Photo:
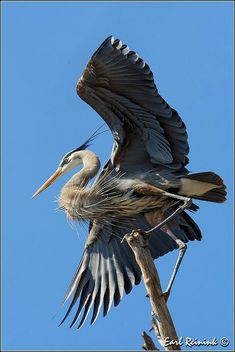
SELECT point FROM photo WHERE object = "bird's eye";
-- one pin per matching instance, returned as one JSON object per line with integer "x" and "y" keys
{"x": 64, "y": 162}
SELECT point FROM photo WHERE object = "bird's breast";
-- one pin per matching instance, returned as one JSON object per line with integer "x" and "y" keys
{"x": 82, "y": 205}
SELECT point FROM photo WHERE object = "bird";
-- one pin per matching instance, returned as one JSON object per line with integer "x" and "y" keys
{"x": 144, "y": 185}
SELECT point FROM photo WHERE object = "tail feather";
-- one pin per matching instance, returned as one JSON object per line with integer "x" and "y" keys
{"x": 209, "y": 177}
{"x": 215, "y": 195}
{"x": 206, "y": 186}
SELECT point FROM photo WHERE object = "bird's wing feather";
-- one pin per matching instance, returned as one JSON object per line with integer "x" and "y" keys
{"x": 108, "y": 267}
{"x": 119, "y": 85}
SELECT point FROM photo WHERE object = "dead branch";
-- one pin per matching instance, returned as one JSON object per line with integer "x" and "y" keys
{"x": 167, "y": 335}
{"x": 148, "y": 343}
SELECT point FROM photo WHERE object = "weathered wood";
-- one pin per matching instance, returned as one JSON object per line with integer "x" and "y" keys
{"x": 148, "y": 343}
{"x": 138, "y": 241}
{"x": 156, "y": 330}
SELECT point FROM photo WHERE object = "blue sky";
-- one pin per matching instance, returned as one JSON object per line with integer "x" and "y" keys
{"x": 45, "y": 49}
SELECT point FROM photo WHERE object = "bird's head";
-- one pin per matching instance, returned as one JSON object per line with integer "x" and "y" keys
{"x": 70, "y": 161}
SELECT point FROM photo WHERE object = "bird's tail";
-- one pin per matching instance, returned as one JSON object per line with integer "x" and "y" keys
{"x": 204, "y": 186}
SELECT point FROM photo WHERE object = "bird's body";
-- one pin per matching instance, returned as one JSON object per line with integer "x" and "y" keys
{"x": 112, "y": 196}
{"x": 143, "y": 184}
{"x": 108, "y": 201}
{"x": 116, "y": 194}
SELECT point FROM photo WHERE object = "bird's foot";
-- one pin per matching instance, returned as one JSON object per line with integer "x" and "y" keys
{"x": 134, "y": 234}
{"x": 166, "y": 295}
{"x": 144, "y": 234}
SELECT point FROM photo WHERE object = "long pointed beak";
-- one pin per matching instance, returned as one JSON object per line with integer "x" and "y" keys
{"x": 49, "y": 181}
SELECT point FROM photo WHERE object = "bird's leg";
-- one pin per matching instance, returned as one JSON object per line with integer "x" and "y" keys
{"x": 187, "y": 202}
{"x": 154, "y": 191}
{"x": 182, "y": 246}
{"x": 182, "y": 250}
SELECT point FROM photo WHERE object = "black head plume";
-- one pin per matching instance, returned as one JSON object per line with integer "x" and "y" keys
{"x": 88, "y": 142}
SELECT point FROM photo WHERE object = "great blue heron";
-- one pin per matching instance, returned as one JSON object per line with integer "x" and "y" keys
{"x": 145, "y": 184}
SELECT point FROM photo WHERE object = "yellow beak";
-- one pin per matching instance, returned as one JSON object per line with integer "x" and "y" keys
{"x": 49, "y": 181}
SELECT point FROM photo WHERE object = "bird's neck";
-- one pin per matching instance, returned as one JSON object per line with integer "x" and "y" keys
{"x": 73, "y": 188}
{"x": 91, "y": 165}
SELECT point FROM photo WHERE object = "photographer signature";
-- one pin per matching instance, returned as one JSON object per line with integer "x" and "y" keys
{"x": 190, "y": 342}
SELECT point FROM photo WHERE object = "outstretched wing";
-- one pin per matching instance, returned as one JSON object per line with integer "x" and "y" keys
{"x": 119, "y": 85}
{"x": 108, "y": 267}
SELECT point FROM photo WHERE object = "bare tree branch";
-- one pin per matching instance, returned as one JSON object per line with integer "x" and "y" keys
{"x": 137, "y": 240}
{"x": 148, "y": 343}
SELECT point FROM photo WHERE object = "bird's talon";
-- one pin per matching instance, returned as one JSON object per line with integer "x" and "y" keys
{"x": 144, "y": 234}
{"x": 134, "y": 231}
{"x": 166, "y": 295}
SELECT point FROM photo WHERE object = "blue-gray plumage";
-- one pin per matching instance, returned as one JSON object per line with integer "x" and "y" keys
{"x": 145, "y": 183}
